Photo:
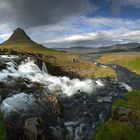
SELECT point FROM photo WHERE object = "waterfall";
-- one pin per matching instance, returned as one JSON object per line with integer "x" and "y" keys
{"x": 44, "y": 68}
{"x": 85, "y": 102}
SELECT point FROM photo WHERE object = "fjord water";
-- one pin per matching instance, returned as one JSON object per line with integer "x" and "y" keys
{"x": 86, "y": 103}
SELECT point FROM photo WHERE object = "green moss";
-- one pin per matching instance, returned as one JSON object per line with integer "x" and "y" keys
{"x": 2, "y": 128}
{"x": 117, "y": 104}
{"x": 114, "y": 129}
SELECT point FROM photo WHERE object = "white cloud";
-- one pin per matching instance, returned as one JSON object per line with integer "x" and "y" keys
{"x": 5, "y": 30}
{"x": 110, "y": 22}
{"x": 98, "y": 39}
{"x": 108, "y": 31}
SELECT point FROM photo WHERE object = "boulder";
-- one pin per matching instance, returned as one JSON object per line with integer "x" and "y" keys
{"x": 122, "y": 113}
{"x": 34, "y": 129}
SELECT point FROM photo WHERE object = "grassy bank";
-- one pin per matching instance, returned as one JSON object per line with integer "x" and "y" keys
{"x": 127, "y": 128}
{"x": 130, "y": 61}
{"x": 69, "y": 63}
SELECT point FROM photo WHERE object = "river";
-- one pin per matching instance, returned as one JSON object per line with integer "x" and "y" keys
{"x": 39, "y": 106}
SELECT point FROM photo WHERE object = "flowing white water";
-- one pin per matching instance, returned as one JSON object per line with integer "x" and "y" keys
{"x": 28, "y": 69}
{"x": 23, "y": 104}
{"x": 9, "y": 56}
{"x": 44, "y": 68}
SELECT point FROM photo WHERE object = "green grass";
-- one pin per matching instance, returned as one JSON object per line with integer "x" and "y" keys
{"x": 2, "y": 128}
{"x": 104, "y": 72}
{"x": 133, "y": 65}
{"x": 130, "y": 61}
{"x": 80, "y": 67}
{"x": 115, "y": 129}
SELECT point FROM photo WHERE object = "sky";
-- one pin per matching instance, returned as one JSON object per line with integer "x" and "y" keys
{"x": 70, "y": 23}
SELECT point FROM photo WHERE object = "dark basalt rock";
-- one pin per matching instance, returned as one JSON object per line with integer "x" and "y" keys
{"x": 38, "y": 125}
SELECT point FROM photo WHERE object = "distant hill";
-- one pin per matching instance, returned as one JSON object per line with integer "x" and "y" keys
{"x": 121, "y": 47}
{"x": 128, "y": 47}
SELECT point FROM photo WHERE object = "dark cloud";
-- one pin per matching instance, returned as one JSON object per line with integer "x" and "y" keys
{"x": 31, "y": 13}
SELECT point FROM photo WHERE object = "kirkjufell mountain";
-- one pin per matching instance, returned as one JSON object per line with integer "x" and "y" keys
{"x": 19, "y": 35}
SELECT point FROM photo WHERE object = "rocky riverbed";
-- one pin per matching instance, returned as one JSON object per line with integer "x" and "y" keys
{"x": 39, "y": 106}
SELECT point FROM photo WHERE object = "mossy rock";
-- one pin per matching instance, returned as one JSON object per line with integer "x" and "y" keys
{"x": 123, "y": 129}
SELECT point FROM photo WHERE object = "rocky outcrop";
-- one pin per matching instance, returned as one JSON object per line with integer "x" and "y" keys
{"x": 45, "y": 124}
{"x": 122, "y": 113}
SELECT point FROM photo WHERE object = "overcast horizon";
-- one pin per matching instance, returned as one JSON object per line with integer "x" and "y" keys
{"x": 70, "y": 23}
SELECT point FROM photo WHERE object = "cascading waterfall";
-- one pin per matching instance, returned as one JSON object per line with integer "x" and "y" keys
{"x": 85, "y": 101}
{"x": 44, "y": 68}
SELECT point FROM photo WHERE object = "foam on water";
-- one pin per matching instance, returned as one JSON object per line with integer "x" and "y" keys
{"x": 28, "y": 69}
{"x": 9, "y": 56}
{"x": 127, "y": 87}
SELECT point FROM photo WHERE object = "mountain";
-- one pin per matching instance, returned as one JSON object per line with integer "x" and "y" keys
{"x": 128, "y": 47}
{"x": 18, "y": 35}
{"x": 19, "y": 41}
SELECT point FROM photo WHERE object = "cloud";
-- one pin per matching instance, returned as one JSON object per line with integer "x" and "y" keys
{"x": 65, "y": 22}
{"x": 116, "y": 5}
{"x": 31, "y": 13}
{"x": 102, "y": 22}
{"x": 98, "y": 39}
{"x": 106, "y": 31}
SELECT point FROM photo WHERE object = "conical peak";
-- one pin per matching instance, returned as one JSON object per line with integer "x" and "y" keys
{"x": 19, "y": 30}
{"x": 19, "y": 35}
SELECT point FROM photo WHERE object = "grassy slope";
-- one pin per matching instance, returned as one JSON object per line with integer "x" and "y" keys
{"x": 60, "y": 59}
{"x": 2, "y": 129}
{"x": 122, "y": 130}
{"x": 130, "y": 61}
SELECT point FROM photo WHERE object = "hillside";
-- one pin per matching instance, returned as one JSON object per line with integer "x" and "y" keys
{"x": 128, "y": 47}
{"x": 130, "y": 61}
{"x": 58, "y": 62}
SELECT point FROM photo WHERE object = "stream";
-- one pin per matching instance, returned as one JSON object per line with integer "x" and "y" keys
{"x": 39, "y": 106}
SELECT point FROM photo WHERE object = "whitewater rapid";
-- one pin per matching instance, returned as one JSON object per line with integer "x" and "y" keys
{"x": 64, "y": 85}
{"x": 87, "y": 103}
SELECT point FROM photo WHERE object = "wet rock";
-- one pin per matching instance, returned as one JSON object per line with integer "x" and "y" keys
{"x": 2, "y": 65}
{"x": 53, "y": 104}
{"x": 34, "y": 129}
{"x": 55, "y": 89}
{"x": 122, "y": 113}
